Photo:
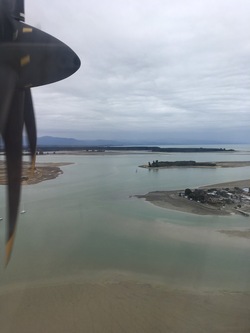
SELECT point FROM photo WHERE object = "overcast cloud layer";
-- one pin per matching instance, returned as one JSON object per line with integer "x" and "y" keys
{"x": 159, "y": 69}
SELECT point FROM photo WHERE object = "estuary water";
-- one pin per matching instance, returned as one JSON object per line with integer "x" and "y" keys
{"x": 86, "y": 221}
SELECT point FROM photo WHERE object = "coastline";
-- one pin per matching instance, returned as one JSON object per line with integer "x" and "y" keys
{"x": 172, "y": 200}
{"x": 42, "y": 172}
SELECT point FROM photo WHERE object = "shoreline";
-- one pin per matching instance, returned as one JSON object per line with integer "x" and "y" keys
{"x": 172, "y": 200}
{"x": 42, "y": 172}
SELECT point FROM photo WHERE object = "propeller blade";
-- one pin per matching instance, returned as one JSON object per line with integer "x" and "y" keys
{"x": 30, "y": 124}
{"x": 17, "y": 9}
{"x": 28, "y": 57}
{"x": 7, "y": 24}
{"x": 8, "y": 81}
{"x": 13, "y": 146}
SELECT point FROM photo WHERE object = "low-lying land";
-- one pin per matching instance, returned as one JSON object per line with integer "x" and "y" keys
{"x": 104, "y": 148}
{"x": 42, "y": 172}
{"x": 193, "y": 164}
{"x": 219, "y": 199}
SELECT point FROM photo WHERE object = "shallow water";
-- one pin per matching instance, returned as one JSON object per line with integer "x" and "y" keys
{"x": 85, "y": 220}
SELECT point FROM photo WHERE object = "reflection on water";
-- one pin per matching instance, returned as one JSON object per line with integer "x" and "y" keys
{"x": 85, "y": 220}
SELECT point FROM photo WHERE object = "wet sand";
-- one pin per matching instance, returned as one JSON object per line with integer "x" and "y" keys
{"x": 121, "y": 306}
{"x": 42, "y": 172}
{"x": 172, "y": 200}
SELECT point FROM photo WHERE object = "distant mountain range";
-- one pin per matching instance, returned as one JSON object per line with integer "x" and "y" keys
{"x": 51, "y": 141}
{"x": 71, "y": 142}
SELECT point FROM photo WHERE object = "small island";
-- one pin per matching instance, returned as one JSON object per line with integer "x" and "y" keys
{"x": 168, "y": 164}
{"x": 193, "y": 164}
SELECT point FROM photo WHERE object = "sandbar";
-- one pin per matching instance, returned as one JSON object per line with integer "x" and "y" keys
{"x": 121, "y": 306}
{"x": 42, "y": 172}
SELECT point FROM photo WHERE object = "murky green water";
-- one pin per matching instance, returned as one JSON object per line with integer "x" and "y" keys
{"x": 85, "y": 220}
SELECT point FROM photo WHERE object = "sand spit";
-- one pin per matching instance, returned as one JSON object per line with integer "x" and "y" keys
{"x": 236, "y": 183}
{"x": 124, "y": 306}
{"x": 43, "y": 171}
{"x": 171, "y": 200}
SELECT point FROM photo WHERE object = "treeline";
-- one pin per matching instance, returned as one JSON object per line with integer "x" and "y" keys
{"x": 132, "y": 148}
{"x": 159, "y": 164}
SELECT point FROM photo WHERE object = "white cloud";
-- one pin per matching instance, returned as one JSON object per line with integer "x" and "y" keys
{"x": 159, "y": 67}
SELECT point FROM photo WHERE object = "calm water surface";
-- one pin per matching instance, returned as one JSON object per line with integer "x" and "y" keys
{"x": 86, "y": 220}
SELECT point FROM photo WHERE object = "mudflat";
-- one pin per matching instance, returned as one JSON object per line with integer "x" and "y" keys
{"x": 122, "y": 306}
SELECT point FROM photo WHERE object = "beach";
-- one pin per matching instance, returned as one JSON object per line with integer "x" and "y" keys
{"x": 121, "y": 306}
{"x": 42, "y": 172}
{"x": 172, "y": 200}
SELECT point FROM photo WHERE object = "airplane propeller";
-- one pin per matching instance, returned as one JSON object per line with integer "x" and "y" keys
{"x": 29, "y": 57}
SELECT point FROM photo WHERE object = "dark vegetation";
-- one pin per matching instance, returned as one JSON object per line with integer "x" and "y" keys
{"x": 218, "y": 197}
{"x": 129, "y": 148}
{"x": 159, "y": 164}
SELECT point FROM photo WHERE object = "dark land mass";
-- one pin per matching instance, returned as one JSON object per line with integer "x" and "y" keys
{"x": 169, "y": 164}
{"x": 160, "y": 164}
{"x": 102, "y": 148}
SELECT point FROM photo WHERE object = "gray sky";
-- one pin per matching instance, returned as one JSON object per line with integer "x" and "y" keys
{"x": 151, "y": 69}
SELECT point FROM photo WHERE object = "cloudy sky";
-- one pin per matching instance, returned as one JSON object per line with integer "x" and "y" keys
{"x": 165, "y": 70}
